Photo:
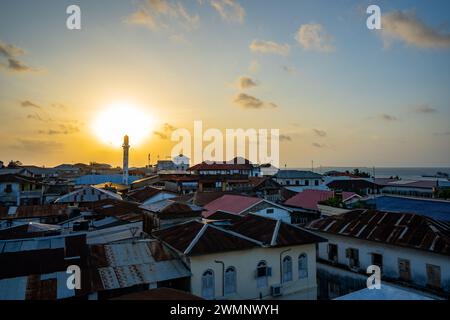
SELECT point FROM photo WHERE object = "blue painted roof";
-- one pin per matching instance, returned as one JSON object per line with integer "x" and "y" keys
{"x": 439, "y": 210}
{"x": 92, "y": 179}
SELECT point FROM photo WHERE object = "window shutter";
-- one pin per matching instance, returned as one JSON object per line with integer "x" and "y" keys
{"x": 269, "y": 271}
{"x": 348, "y": 253}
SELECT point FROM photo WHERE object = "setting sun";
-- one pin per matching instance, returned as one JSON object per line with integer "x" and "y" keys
{"x": 119, "y": 119}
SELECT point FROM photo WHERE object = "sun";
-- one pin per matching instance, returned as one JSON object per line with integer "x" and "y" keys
{"x": 120, "y": 119}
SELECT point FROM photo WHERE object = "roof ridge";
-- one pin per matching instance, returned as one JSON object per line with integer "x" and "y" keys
{"x": 196, "y": 238}
{"x": 273, "y": 242}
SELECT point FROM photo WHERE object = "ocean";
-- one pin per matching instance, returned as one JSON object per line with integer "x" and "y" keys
{"x": 386, "y": 172}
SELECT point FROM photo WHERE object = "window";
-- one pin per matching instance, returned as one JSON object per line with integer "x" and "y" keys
{"x": 208, "y": 284}
{"x": 333, "y": 290}
{"x": 262, "y": 272}
{"x": 404, "y": 269}
{"x": 297, "y": 182}
{"x": 333, "y": 252}
{"x": 287, "y": 269}
{"x": 270, "y": 211}
{"x": 316, "y": 182}
{"x": 433, "y": 276}
{"x": 230, "y": 280}
{"x": 377, "y": 260}
{"x": 353, "y": 257}
{"x": 8, "y": 188}
{"x": 306, "y": 182}
{"x": 303, "y": 266}
{"x": 288, "y": 182}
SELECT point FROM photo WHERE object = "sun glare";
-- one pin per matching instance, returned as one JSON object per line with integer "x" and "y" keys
{"x": 119, "y": 119}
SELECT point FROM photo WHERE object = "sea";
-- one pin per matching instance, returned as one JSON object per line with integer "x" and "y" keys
{"x": 406, "y": 173}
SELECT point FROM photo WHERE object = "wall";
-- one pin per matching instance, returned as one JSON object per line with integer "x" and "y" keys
{"x": 418, "y": 258}
{"x": 246, "y": 261}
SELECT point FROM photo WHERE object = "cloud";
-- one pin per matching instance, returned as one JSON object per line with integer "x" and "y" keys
{"x": 406, "y": 27}
{"x": 11, "y": 53}
{"x": 269, "y": 47}
{"x": 167, "y": 129}
{"x": 249, "y": 102}
{"x": 320, "y": 133}
{"x": 285, "y": 138}
{"x": 288, "y": 69}
{"x": 16, "y": 65}
{"x": 246, "y": 83}
{"x": 229, "y": 10}
{"x": 59, "y": 106}
{"x": 314, "y": 37}
{"x": 254, "y": 66}
{"x": 63, "y": 129}
{"x": 29, "y": 104}
{"x": 425, "y": 109}
{"x": 163, "y": 14}
{"x": 445, "y": 133}
{"x": 388, "y": 117}
{"x": 317, "y": 145}
{"x": 37, "y": 146}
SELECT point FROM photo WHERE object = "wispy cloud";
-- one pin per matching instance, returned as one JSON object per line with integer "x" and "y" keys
{"x": 314, "y": 37}
{"x": 318, "y": 145}
{"x": 444, "y": 133}
{"x": 387, "y": 117}
{"x": 163, "y": 15}
{"x": 62, "y": 129}
{"x": 249, "y": 102}
{"x": 269, "y": 47}
{"x": 245, "y": 82}
{"x": 37, "y": 146}
{"x": 229, "y": 10}
{"x": 288, "y": 69}
{"x": 254, "y": 66}
{"x": 285, "y": 138}
{"x": 320, "y": 133}
{"x": 406, "y": 27}
{"x": 12, "y": 63}
{"x": 425, "y": 109}
{"x": 29, "y": 104}
{"x": 165, "y": 131}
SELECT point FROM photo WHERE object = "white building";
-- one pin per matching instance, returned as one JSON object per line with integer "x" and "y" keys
{"x": 252, "y": 259}
{"x": 243, "y": 205}
{"x": 87, "y": 194}
{"x": 300, "y": 179}
{"x": 410, "y": 250}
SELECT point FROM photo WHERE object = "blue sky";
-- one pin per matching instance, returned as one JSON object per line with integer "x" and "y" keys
{"x": 352, "y": 97}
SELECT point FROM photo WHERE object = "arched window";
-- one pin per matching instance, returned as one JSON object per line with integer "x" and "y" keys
{"x": 230, "y": 280}
{"x": 287, "y": 269}
{"x": 262, "y": 272}
{"x": 303, "y": 266}
{"x": 208, "y": 284}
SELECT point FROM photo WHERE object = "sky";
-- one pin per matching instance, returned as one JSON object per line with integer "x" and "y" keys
{"x": 341, "y": 94}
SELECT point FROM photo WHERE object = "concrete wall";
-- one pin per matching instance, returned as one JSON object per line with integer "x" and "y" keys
{"x": 418, "y": 258}
{"x": 245, "y": 263}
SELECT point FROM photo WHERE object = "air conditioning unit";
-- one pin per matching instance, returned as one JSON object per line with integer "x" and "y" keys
{"x": 276, "y": 290}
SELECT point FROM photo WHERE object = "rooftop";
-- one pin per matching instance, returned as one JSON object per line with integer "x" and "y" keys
{"x": 230, "y": 203}
{"x": 297, "y": 174}
{"x": 309, "y": 199}
{"x": 398, "y": 229}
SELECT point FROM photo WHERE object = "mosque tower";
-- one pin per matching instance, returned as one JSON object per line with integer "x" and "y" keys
{"x": 126, "y": 148}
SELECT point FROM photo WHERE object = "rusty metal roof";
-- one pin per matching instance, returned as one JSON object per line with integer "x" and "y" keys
{"x": 399, "y": 229}
{"x": 37, "y": 211}
{"x": 196, "y": 238}
{"x": 123, "y": 265}
{"x": 273, "y": 232}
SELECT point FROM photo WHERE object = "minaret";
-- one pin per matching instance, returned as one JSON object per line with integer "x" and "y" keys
{"x": 126, "y": 148}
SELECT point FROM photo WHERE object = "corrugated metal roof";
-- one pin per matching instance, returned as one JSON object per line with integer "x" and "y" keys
{"x": 133, "y": 263}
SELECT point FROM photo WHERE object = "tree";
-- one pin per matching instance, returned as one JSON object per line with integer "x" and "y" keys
{"x": 14, "y": 164}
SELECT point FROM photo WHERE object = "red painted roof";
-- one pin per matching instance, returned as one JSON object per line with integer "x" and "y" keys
{"x": 347, "y": 195}
{"x": 309, "y": 199}
{"x": 230, "y": 203}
